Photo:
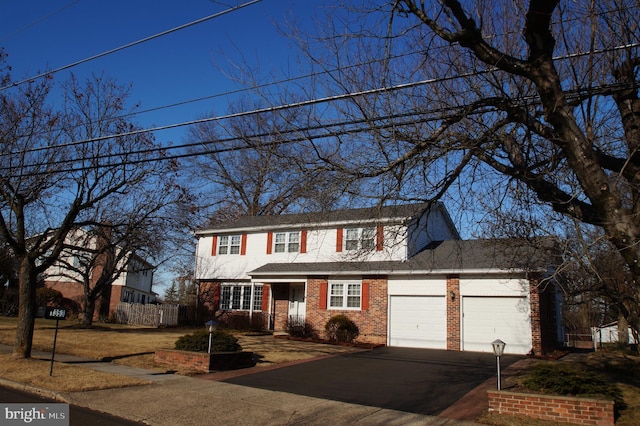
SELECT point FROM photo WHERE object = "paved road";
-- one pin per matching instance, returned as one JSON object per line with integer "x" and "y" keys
{"x": 418, "y": 381}
{"x": 78, "y": 416}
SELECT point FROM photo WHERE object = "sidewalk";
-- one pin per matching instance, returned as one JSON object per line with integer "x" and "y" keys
{"x": 173, "y": 400}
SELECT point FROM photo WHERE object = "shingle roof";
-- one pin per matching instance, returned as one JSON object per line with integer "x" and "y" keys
{"x": 445, "y": 256}
{"x": 372, "y": 214}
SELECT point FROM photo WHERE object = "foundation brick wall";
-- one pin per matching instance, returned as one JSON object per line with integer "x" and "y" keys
{"x": 453, "y": 313}
{"x": 581, "y": 411}
{"x": 371, "y": 322}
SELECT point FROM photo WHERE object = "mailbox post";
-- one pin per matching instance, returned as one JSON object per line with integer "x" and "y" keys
{"x": 56, "y": 314}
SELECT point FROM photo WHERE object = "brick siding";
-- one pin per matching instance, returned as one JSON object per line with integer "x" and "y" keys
{"x": 453, "y": 313}
{"x": 371, "y": 323}
{"x": 581, "y": 411}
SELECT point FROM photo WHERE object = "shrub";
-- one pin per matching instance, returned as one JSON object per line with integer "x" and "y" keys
{"x": 304, "y": 331}
{"x": 48, "y": 296}
{"x": 221, "y": 341}
{"x": 564, "y": 379}
{"x": 341, "y": 329}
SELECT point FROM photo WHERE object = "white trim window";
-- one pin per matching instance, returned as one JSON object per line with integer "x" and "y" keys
{"x": 286, "y": 242}
{"x": 229, "y": 244}
{"x": 345, "y": 295}
{"x": 238, "y": 297}
{"x": 360, "y": 239}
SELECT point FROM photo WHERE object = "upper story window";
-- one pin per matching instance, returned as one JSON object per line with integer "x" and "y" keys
{"x": 229, "y": 244}
{"x": 286, "y": 242}
{"x": 360, "y": 239}
{"x": 345, "y": 295}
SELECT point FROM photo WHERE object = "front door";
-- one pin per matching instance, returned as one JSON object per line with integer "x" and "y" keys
{"x": 297, "y": 306}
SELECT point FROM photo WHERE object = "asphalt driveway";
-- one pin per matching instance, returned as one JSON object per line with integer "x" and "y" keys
{"x": 422, "y": 381}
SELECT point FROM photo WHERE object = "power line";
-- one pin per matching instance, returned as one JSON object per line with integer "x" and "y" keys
{"x": 126, "y": 46}
{"x": 227, "y": 93}
{"x": 306, "y": 103}
{"x": 37, "y": 21}
{"x": 307, "y": 132}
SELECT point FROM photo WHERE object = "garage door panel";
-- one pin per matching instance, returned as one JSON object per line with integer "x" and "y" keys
{"x": 488, "y": 318}
{"x": 417, "y": 321}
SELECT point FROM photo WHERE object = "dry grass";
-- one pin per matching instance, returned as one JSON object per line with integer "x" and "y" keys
{"x": 65, "y": 378}
{"x": 126, "y": 345}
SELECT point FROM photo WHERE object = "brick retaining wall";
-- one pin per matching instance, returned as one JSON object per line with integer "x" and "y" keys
{"x": 581, "y": 411}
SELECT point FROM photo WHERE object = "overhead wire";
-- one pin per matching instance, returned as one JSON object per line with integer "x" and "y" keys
{"x": 291, "y": 105}
{"x": 37, "y": 21}
{"x": 245, "y": 113}
{"x": 421, "y": 117}
{"x": 136, "y": 113}
{"x": 128, "y": 45}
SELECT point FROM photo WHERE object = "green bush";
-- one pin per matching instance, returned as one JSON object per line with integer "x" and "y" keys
{"x": 341, "y": 329}
{"x": 221, "y": 341}
{"x": 564, "y": 379}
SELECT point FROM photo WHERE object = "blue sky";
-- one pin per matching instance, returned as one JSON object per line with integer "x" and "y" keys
{"x": 41, "y": 35}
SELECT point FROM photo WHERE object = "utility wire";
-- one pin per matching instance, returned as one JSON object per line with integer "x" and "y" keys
{"x": 126, "y": 46}
{"x": 275, "y": 83}
{"x": 306, "y": 133}
{"x": 37, "y": 21}
{"x": 310, "y": 102}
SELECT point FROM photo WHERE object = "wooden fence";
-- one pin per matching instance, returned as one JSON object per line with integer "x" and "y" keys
{"x": 147, "y": 315}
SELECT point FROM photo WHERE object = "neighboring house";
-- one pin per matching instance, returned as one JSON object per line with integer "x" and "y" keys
{"x": 608, "y": 333}
{"x": 401, "y": 273}
{"x": 133, "y": 285}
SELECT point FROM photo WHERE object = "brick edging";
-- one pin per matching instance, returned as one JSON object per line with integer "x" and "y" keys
{"x": 576, "y": 410}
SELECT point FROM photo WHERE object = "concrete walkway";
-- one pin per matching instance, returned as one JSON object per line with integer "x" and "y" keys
{"x": 173, "y": 400}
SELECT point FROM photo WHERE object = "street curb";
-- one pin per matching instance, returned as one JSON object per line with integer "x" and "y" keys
{"x": 45, "y": 393}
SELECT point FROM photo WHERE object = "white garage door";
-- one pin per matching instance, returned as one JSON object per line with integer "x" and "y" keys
{"x": 418, "y": 322}
{"x": 486, "y": 319}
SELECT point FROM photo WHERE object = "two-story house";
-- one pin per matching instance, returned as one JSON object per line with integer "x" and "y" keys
{"x": 133, "y": 284}
{"x": 401, "y": 273}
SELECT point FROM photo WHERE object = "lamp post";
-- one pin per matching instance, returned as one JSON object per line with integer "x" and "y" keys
{"x": 498, "y": 350}
{"x": 212, "y": 326}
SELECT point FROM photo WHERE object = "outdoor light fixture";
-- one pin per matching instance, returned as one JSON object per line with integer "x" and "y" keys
{"x": 212, "y": 327}
{"x": 498, "y": 350}
{"x": 452, "y": 294}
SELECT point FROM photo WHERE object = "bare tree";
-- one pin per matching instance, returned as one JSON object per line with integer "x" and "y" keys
{"x": 48, "y": 185}
{"x": 502, "y": 100}
{"x": 243, "y": 167}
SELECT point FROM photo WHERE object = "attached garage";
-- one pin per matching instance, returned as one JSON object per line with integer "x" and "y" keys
{"x": 485, "y": 319}
{"x": 418, "y": 321}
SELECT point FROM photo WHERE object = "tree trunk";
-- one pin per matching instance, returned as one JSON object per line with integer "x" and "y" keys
{"x": 88, "y": 307}
{"x": 26, "y": 309}
{"x": 623, "y": 330}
